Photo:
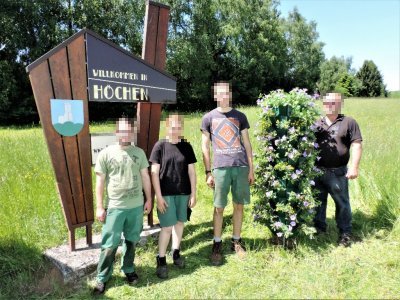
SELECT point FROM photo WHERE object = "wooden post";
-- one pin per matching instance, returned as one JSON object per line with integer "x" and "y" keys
{"x": 154, "y": 52}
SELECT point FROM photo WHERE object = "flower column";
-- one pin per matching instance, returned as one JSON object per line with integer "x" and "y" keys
{"x": 285, "y": 163}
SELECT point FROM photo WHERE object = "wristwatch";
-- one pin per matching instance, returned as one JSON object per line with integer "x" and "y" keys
{"x": 208, "y": 171}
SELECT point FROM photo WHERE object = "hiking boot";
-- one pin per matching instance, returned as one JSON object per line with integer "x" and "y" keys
{"x": 99, "y": 288}
{"x": 132, "y": 278}
{"x": 162, "y": 269}
{"x": 238, "y": 247}
{"x": 345, "y": 240}
{"x": 216, "y": 255}
{"x": 179, "y": 260}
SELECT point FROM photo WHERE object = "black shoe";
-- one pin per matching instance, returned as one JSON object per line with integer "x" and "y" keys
{"x": 345, "y": 240}
{"x": 179, "y": 260}
{"x": 99, "y": 288}
{"x": 216, "y": 254}
{"x": 162, "y": 269}
{"x": 132, "y": 278}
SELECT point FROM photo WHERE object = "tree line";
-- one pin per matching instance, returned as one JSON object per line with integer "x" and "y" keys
{"x": 247, "y": 42}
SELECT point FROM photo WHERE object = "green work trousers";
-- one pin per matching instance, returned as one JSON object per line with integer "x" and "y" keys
{"x": 118, "y": 221}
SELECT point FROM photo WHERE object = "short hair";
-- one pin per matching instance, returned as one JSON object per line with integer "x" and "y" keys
{"x": 221, "y": 83}
{"x": 171, "y": 115}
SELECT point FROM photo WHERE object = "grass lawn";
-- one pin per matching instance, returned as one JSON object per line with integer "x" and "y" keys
{"x": 32, "y": 220}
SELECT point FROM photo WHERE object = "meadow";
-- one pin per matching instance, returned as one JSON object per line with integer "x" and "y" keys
{"x": 31, "y": 220}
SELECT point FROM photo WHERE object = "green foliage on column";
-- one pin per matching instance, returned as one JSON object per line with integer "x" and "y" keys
{"x": 285, "y": 163}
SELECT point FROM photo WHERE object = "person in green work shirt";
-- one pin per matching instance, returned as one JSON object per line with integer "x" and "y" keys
{"x": 123, "y": 169}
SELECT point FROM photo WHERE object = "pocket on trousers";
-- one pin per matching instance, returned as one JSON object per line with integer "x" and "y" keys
{"x": 340, "y": 171}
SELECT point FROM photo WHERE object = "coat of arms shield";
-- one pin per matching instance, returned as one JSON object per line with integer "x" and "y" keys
{"x": 67, "y": 116}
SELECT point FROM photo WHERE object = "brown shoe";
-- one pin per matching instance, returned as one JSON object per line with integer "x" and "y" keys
{"x": 238, "y": 247}
{"x": 216, "y": 255}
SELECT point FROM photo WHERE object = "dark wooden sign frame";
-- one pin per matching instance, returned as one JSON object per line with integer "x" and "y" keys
{"x": 62, "y": 74}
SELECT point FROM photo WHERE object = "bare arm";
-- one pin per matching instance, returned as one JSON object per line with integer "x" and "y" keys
{"x": 356, "y": 152}
{"x": 249, "y": 153}
{"x": 100, "y": 211}
{"x": 155, "y": 177}
{"x": 144, "y": 173}
{"x": 205, "y": 148}
{"x": 192, "y": 177}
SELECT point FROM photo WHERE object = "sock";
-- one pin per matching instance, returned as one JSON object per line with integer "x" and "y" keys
{"x": 175, "y": 254}
{"x": 162, "y": 260}
{"x": 235, "y": 237}
{"x": 217, "y": 239}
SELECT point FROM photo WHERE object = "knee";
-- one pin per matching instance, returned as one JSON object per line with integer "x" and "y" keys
{"x": 238, "y": 207}
{"x": 218, "y": 211}
{"x": 167, "y": 230}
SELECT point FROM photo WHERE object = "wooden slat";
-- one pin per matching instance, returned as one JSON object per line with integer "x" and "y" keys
{"x": 161, "y": 47}
{"x": 143, "y": 113}
{"x": 43, "y": 92}
{"x": 62, "y": 90}
{"x": 77, "y": 65}
{"x": 150, "y": 34}
{"x": 154, "y": 126}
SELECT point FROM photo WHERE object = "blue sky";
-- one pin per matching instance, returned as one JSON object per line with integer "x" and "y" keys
{"x": 362, "y": 29}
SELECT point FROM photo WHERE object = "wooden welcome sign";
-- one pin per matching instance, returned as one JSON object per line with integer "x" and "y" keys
{"x": 87, "y": 67}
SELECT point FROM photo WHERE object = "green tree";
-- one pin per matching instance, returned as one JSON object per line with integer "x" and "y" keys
{"x": 348, "y": 85}
{"x": 331, "y": 71}
{"x": 371, "y": 80}
{"x": 305, "y": 54}
{"x": 29, "y": 29}
{"x": 255, "y": 58}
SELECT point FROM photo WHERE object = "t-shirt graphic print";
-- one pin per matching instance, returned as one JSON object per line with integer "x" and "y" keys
{"x": 225, "y": 133}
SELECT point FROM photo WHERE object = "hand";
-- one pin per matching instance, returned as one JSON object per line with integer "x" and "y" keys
{"x": 192, "y": 201}
{"x": 101, "y": 214}
{"x": 147, "y": 207}
{"x": 352, "y": 173}
{"x": 210, "y": 180}
{"x": 251, "y": 177}
{"x": 161, "y": 205}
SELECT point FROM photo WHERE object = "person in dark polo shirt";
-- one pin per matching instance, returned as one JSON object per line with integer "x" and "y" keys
{"x": 336, "y": 134}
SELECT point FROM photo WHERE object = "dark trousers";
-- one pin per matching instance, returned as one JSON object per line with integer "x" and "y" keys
{"x": 333, "y": 182}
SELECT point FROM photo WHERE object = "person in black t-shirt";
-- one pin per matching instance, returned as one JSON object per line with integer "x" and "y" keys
{"x": 336, "y": 134}
{"x": 174, "y": 180}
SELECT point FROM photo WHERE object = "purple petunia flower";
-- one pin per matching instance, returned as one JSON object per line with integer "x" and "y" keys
{"x": 298, "y": 172}
{"x": 293, "y": 217}
{"x": 270, "y": 158}
{"x": 312, "y": 104}
{"x": 316, "y": 169}
{"x": 265, "y": 109}
{"x": 294, "y": 176}
{"x": 291, "y": 155}
{"x": 306, "y": 204}
{"x": 279, "y": 234}
{"x": 293, "y": 223}
{"x": 304, "y": 139}
{"x": 318, "y": 157}
{"x": 305, "y": 154}
{"x": 316, "y": 146}
{"x": 278, "y": 224}
{"x": 270, "y": 148}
